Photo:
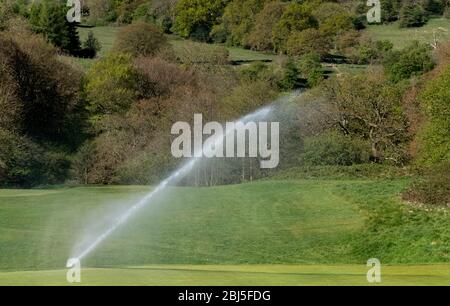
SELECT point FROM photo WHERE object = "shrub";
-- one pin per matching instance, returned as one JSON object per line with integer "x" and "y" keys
{"x": 197, "y": 17}
{"x": 254, "y": 71}
{"x": 140, "y": 39}
{"x": 434, "y": 189}
{"x": 291, "y": 77}
{"x": 413, "y": 15}
{"x": 334, "y": 149}
{"x": 371, "y": 52}
{"x": 194, "y": 53}
{"x": 144, "y": 12}
{"x": 48, "y": 17}
{"x": 311, "y": 68}
{"x": 447, "y": 12}
{"x": 434, "y": 140}
{"x": 25, "y": 163}
{"x": 296, "y": 18}
{"x": 238, "y": 20}
{"x": 412, "y": 61}
{"x": 42, "y": 89}
{"x": 111, "y": 85}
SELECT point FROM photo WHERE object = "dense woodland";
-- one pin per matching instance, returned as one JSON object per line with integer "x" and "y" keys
{"x": 111, "y": 123}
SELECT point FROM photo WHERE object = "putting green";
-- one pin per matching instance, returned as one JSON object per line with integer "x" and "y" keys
{"x": 228, "y": 275}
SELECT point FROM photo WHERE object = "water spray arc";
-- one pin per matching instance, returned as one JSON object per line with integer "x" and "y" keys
{"x": 178, "y": 174}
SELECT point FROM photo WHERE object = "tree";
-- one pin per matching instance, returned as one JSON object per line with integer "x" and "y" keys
{"x": 140, "y": 39}
{"x": 311, "y": 68}
{"x": 48, "y": 17}
{"x": 260, "y": 37}
{"x": 111, "y": 85}
{"x": 238, "y": 20}
{"x": 307, "y": 41}
{"x": 434, "y": 138}
{"x": 368, "y": 106}
{"x": 195, "y": 18}
{"x": 295, "y": 18}
{"x": 42, "y": 89}
{"x": 92, "y": 44}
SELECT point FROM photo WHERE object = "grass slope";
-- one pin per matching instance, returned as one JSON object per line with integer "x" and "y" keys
{"x": 277, "y": 226}
{"x": 401, "y": 37}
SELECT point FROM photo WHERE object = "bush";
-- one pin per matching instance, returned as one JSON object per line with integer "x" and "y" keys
{"x": 434, "y": 140}
{"x": 260, "y": 37}
{"x": 140, "y": 39}
{"x": 196, "y": 18}
{"x": 412, "y": 61}
{"x": 413, "y": 15}
{"x": 194, "y": 53}
{"x": 311, "y": 68}
{"x": 48, "y": 17}
{"x": 296, "y": 18}
{"x": 238, "y": 20}
{"x": 254, "y": 71}
{"x": 434, "y": 189}
{"x": 291, "y": 78}
{"x": 92, "y": 44}
{"x": 371, "y": 52}
{"x": 41, "y": 88}
{"x": 26, "y": 164}
{"x": 334, "y": 149}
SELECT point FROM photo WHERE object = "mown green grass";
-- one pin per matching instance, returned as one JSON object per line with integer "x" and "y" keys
{"x": 249, "y": 230}
{"x": 241, "y": 275}
{"x": 105, "y": 34}
{"x": 402, "y": 37}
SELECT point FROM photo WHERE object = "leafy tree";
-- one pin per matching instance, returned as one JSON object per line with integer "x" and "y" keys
{"x": 42, "y": 89}
{"x": 111, "y": 85}
{"x": 260, "y": 37}
{"x": 311, "y": 68}
{"x": 238, "y": 20}
{"x": 368, "y": 106}
{"x": 92, "y": 44}
{"x": 197, "y": 17}
{"x": 295, "y": 18}
{"x": 140, "y": 39}
{"x": 333, "y": 148}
